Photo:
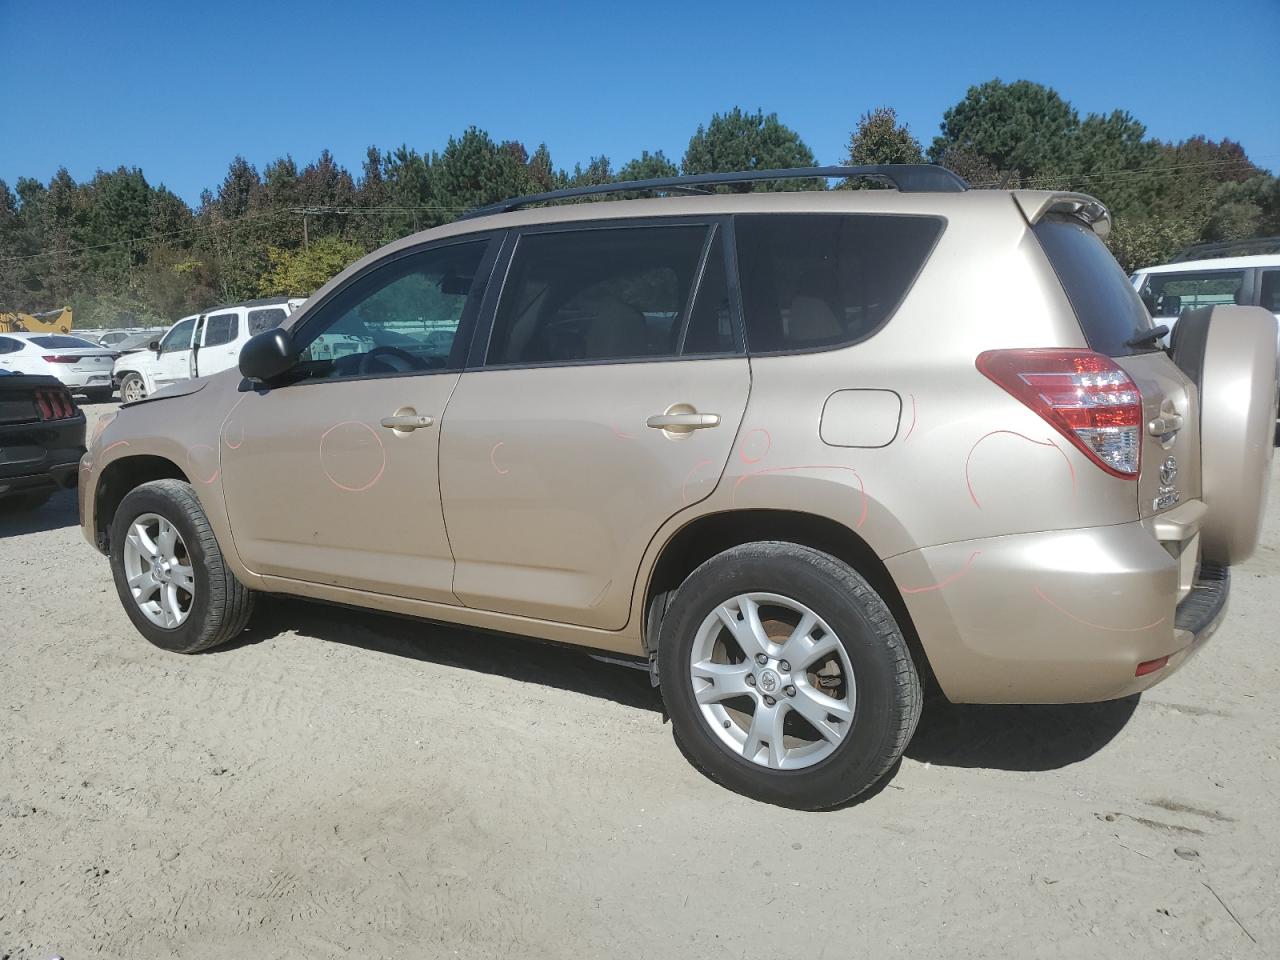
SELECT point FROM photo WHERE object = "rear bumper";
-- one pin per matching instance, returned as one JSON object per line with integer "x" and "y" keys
{"x": 40, "y": 456}
{"x": 1059, "y": 617}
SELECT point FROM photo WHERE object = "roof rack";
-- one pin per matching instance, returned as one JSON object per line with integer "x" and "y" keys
{"x": 1228, "y": 248}
{"x": 907, "y": 177}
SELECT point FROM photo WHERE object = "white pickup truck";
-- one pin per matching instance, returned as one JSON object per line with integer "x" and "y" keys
{"x": 199, "y": 345}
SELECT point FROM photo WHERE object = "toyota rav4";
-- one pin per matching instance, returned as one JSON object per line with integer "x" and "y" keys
{"x": 800, "y": 453}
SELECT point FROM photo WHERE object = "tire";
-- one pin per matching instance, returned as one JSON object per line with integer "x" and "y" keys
{"x": 217, "y": 605}
{"x": 20, "y": 502}
{"x": 132, "y": 388}
{"x": 885, "y": 688}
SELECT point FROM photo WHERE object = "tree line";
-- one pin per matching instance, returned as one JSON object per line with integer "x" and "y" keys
{"x": 123, "y": 252}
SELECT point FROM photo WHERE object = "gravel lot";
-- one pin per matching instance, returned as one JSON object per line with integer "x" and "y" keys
{"x": 349, "y": 784}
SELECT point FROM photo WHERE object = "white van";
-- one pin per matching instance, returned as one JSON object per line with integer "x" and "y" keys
{"x": 199, "y": 345}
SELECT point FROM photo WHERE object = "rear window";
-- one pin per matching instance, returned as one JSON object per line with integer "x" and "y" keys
{"x": 55, "y": 341}
{"x": 815, "y": 281}
{"x": 1109, "y": 310}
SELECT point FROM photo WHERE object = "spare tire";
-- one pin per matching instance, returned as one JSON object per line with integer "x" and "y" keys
{"x": 1230, "y": 353}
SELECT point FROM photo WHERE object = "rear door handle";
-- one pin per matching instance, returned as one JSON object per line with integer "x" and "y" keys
{"x": 683, "y": 422}
{"x": 406, "y": 422}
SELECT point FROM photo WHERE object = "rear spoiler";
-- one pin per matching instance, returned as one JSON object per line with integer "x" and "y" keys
{"x": 1037, "y": 204}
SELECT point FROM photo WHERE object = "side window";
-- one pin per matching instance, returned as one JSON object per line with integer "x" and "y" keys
{"x": 821, "y": 280}
{"x": 1270, "y": 299}
{"x": 1168, "y": 294}
{"x": 178, "y": 337}
{"x": 402, "y": 317}
{"x": 264, "y": 319}
{"x": 8, "y": 345}
{"x": 220, "y": 328}
{"x": 601, "y": 294}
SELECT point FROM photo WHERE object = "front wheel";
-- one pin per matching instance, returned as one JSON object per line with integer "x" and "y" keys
{"x": 786, "y": 676}
{"x": 132, "y": 388}
{"x": 170, "y": 573}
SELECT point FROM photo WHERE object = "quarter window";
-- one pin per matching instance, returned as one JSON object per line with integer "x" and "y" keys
{"x": 8, "y": 345}
{"x": 604, "y": 294}
{"x": 402, "y": 317}
{"x": 811, "y": 281}
{"x": 220, "y": 328}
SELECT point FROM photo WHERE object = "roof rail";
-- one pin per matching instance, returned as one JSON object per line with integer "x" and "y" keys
{"x": 907, "y": 177}
{"x": 1228, "y": 248}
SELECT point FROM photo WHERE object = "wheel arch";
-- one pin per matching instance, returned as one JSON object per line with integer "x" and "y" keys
{"x": 117, "y": 479}
{"x": 710, "y": 534}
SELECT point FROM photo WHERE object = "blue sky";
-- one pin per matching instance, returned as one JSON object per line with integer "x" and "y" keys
{"x": 149, "y": 83}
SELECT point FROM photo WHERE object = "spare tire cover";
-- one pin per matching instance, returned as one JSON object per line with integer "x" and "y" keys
{"x": 1230, "y": 352}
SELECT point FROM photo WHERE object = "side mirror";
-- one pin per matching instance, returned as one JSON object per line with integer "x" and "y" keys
{"x": 154, "y": 347}
{"x": 267, "y": 355}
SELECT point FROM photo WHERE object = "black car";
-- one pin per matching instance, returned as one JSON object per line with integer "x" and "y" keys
{"x": 41, "y": 439}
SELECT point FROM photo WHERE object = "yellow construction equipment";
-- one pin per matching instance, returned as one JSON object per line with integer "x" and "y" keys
{"x": 51, "y": 321}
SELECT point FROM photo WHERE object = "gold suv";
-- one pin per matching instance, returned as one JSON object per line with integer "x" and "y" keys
{"x": 795, "y": 451}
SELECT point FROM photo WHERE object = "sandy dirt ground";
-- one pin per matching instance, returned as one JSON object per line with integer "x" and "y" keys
{"x": 345, "y": 784}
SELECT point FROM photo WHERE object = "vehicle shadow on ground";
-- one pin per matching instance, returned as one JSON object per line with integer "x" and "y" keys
{"x": 1016, "y": 736}
{"x": 464, "y": 648}
{"x": 1002, "y": 737}
{"x": 62, "y": 510}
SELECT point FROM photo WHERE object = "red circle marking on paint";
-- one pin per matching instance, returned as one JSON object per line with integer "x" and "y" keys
{"x": 1014, "y": 433}
{"x": 226, "y": 435}
{"x": 381, "y": 449}
{"x": 684, "y": 488}
{"x": 492, "y": 460}
{"x": 118, "y": 443}
{"x": 191, "y": 463}
{"x": 862, "y": 489}
{"x": 742, "y": 447}
{"x": 1089, "y": 623}
{"x": 947, "y": 580}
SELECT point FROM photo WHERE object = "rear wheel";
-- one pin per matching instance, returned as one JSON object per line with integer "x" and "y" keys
{"x": 170, "y": 573}
{"x": 132, "y": 388}
{"x": 786, "y": 677}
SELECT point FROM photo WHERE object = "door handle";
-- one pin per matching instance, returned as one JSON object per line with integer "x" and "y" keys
{"x": 1165, "y": 424}
{"x": 683, "y": 422}
{"x": 406, "y": 422}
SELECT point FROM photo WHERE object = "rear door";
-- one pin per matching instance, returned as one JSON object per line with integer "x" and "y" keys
{"x": 608, "y": 399}
{"x": 1111, "y": 316}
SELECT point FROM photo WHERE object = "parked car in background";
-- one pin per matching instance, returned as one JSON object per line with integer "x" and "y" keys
{"x": 726, "y": 436}
{"x": 112, "y": 338}
{"x": 82, "y": 366}
{"x": 41, "y": 439}
{"x": 1211, "y": 274}
{"x": 138, "y": 341}
{"x": 198, "y": 346}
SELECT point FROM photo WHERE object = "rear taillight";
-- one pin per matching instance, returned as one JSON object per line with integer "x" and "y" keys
{"x": 59, "y": 358}
{"x": 1086, "y": 397}
{"x": 53, "y": 404}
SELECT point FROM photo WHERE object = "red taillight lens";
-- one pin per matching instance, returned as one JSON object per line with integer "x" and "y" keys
{"x": 55, "y": 404}
{"x": 1085, "y": 396}
{"x": 59, "y": 358}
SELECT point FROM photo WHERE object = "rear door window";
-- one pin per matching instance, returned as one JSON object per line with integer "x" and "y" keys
{"x": 220, "y": 328}
{"x": 1168, "y": 294}
{"x": 616, "y": 293}
{"x": 265, "y": 319}
{"x": 816, "y": 281}
{"x": 1109, "y": 310}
